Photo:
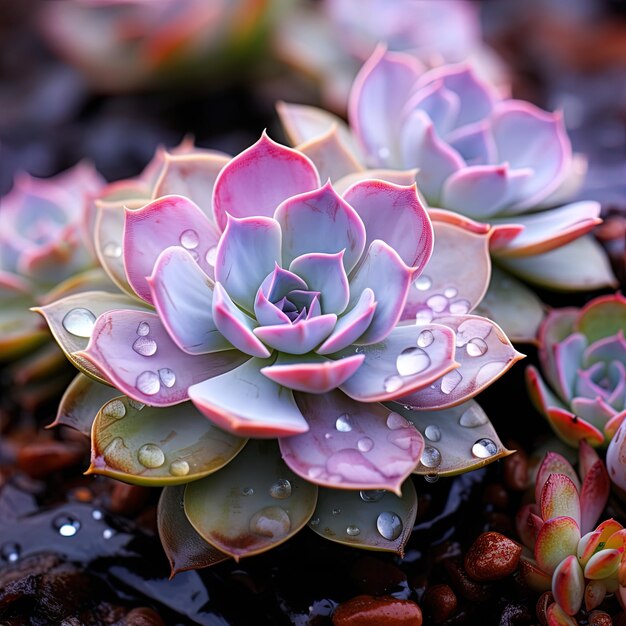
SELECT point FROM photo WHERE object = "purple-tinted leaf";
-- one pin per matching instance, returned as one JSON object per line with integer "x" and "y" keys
{"x": 352, "y": 445}
{"x": 300, "y": 337}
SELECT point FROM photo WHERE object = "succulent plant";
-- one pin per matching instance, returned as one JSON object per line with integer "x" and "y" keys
{"x": 579, "y": 561}
{"x": 125, "y": 44}
{"x": 283, "y": 310}
{"x": 43, "y": 241}
{"x": 583, "y": 358}
{"x": 493, "y": 160}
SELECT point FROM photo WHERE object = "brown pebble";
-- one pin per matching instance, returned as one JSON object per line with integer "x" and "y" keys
{"x": 82, "y": 494}
{"x": 600, "y": 618}
{"x": 541, "y": 608}
{"x": 143, "y": 617}
{"x": 41, "y": 458}
{"x": 492, "y": 557}
{"x": 440, "y": 601}
{"x": 463, "y": 585}
{"x": 376, "y": 577}
{"x": 516, "y": 471}
{"x": 370, "y": 611}
{"x": 128, "y": 499}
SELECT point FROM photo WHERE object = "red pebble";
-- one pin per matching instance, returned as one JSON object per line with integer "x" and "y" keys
{"x": 492, "y": 557}
{"x": 370, "y": 611}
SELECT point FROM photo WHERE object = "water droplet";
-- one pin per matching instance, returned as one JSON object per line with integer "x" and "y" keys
{"x": 281, "y": 489}
{"x": 460, "y": 307}
{"x": 189, "y": 239}
{"x": 136, "y": 405}
{"x": 148, "y": 383}
{"x": 66, "y": 525}
{"x": 395, "y": 421}
{"x": 352, "y": 530}
{"x": 450, "y": 381}
{"x": 473, "y": 416}
{"x": 315, "y": 471}
{"x": 167, "y": 376}
{"x": 437, "y": 303}
{"x": 247, "y": 491}
{"x": 143, "y": 329}
{"x": 488, "y": 372}
{"x": 151, "y": 456}
{"x": 179, "y": 468}
{"x": 372, "y": 495}
{"x": 365, "y": 444}
{"x": 392, "y": 383}
{"x": 10, "y": 551}
{"x": 433, "y": 432}
{"x": 389, "y": 525}
{"x": 314, "y": 521}
{"x": 450, "y": 292}
{"x": 423, "y": 316}
{"x": 476, "y": 347}
{"x": 114, "y": 449}
{"x": 425, "y": 338}
{"x": 469, "y": 329}
{"x": 97, "y": 514}
{"x": 145, "y": 346}
{"x": 79, "y": 322}
{"x": 359, "y": 350}
{"x": 423, "y": 283}
{"x": 431, "y": 457}
{"x": 343, "y": 424}
{"x": 431, "y": 478}
{"x": 115, "y": 409}
{"x": 107, "y": 533}
{"x": 272, "y": 522}
{"x": 112, "y": 250}
{"x": 336, "y": 511}
{"x": 484, "y": 448}
{"x": 412, "y": 361}
{"x": 211, "y": 256}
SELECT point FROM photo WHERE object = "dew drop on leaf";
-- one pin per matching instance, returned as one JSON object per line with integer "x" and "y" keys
{"x": 151, "y": 456}
{"x": 389, "y": 525}
{"x": 79, "y": 322}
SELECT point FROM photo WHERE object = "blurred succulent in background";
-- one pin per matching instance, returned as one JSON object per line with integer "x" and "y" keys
{"x": 282, "y": 310}
{"x": 578, "y": 562}
{"x": 124, "y": 44}
{"x": 583, "y": 358}
{"x": 43, "y": 241}
{"x": 498, "y": 161}
{"x": 331, "y": 39}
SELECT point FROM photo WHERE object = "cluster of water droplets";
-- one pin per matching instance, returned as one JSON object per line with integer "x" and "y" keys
{"x": 149, "y": 382}
{"x": 190, "y": 241}
{"x": 439, "y": 303}
{"x": 272, "y": 521}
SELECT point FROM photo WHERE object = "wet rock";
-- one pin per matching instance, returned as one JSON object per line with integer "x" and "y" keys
{"x": 463, "y": 584}
{"x": 492, "y": 557}
{"x": 142, "y": 617}
{"x": 600, "y": 618}
{"x": 128, "y": 499}
{"x": 516, "y": 474}
{"x": 440, "y": 602}
{"x": 368, "y": 611}
{"x": 41, "y": 458}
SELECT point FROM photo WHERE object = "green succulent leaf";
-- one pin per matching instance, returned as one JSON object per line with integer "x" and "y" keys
{"x": 81, "y": 402}
{"x": 153, "y": 446}
{"x": 603, "y": 317}
{"x": 374, "y": 520}
{"x": 184, "y": 547}
{"x": 90, "y": 280}
{"x": 20, "y": 329}
{"x": 518, "y": 311}
{"x": 253, "y": 504}
{"x": 72, "y": 318}
{"x": 578, "y": 266}
{"x": 458, "y": 440}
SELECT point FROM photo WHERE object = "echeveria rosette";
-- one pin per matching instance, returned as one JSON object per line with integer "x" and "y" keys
{"x": 583, "y": 359}
{"x": 43, "y": 242}
{"x": 565, "y": 552}
{"x": 290, "y": 312}
{"x": 498, "y": 161}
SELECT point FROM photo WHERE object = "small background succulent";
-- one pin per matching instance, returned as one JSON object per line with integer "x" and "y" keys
{"x": 476, "y": 154}
{"x": 282, "y": 309}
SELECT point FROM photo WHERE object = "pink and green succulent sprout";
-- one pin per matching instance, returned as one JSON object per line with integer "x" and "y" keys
{"x": 496, "y": 161}
{"x": 566, "y": 552}
{"x": 287, "y": 311}
{"x": 43, "y": 241}
{"x": 583, "y": 359}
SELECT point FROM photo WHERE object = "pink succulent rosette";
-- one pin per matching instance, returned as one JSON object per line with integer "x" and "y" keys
{"x": 125, "y": 44}
{"x": 283, "y": 310}
{"x": 566, "y": 553}
{"x": 583, "y": 359}
{"x": 43, "y": 241}
{"x": 496, "y": 161}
